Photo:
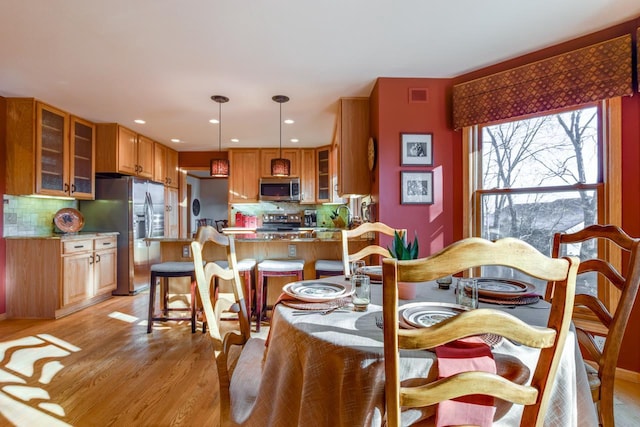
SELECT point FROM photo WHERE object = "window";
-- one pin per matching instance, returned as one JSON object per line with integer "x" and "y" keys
{"x": 535, "y": 176}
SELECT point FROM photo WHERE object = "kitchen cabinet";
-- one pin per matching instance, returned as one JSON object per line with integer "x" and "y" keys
{"x": 326, "y": 175}
{"x": 49, "y": 151}
{"x": 267, "y": 154}
{"x": 351, "y": 137}
{"x": 121, "y": 150}
{"x": 171, "y": 214}
{"x": 244, "y": 175}
{"x": 51, "y": 277}
{"x": 308, "y": 176}
{"x": 165, "y": 168}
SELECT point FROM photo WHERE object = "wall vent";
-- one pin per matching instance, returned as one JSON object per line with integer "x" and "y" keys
{"x": 417, "y": 95}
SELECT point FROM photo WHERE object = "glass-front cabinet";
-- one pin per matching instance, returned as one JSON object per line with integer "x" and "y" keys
{"x": 49, "y": 151}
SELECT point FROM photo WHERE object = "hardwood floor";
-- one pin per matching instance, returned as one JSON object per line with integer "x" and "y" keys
{"x": 105, "y": 370}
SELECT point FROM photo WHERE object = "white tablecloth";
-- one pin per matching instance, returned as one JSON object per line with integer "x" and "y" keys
{"x": 329, "y": 371}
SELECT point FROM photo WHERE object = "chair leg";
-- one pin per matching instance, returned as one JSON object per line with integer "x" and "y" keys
{"x": 152, "y": 297}
{"x": 259, "y": 291}
{"x": 193, "y": 304}
{"x": 246, "y": 277}
{"x": 605, "y": 406}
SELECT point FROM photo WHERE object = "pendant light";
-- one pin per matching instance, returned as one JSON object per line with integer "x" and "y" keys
{"x": 219, "y": 168}
{"x": 280, "y": 166}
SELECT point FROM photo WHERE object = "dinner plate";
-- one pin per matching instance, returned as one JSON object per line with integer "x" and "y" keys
{"x": 373, "y": 271}
{"x": 493, "y": 287}
{"x": 317, "y": 291}
{"x": 69, "y": 220}
{"x": 425, "y": 314}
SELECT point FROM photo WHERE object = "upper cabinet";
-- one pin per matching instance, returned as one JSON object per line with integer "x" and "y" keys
{"x": 243, "y": 175}
{"x": 267, "y": 154}
{"x": 165, "y": 168}
{"x": 49, "y": 151}
{"x": 308, "y": 175}
{"x": 351, "y": 137}
{"x": 121, "y": 150}
{"x": 326, "y": 175}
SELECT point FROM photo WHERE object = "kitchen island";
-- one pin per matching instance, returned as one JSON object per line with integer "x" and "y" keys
{"x": 305, "y": 243}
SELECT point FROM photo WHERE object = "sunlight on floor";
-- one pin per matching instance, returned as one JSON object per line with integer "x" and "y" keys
{"x": 22, "y": 357}
{"x": 124, "y": 317}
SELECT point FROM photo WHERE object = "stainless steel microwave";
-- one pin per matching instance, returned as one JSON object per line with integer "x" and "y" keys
{"x": 280, "y": 189}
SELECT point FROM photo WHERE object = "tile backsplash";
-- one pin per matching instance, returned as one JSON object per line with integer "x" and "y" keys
{"x": 31, "y": 216}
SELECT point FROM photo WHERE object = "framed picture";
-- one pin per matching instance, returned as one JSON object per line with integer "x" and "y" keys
{"x": 417, "y": 149}
{"x": 416, "y": 188}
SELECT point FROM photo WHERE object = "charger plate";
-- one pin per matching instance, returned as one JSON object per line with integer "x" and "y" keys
{"x": 317, "y": 290}
{"x": 499, "y": 288}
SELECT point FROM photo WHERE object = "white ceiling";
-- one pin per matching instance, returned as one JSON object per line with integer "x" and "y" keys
{"x": 161, "y": 60}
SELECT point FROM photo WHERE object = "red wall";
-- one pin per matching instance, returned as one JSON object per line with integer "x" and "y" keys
{"x": 630, "y": 353}
{"x": 392, "y": 113}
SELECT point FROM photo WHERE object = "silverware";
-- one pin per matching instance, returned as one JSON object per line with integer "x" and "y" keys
{"x": 321, "y": 312}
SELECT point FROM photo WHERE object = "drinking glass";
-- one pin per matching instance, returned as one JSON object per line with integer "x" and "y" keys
{"x": 362, "y": 295}
{"x": 356, "y": 267}
{"x": 467, "y": 292}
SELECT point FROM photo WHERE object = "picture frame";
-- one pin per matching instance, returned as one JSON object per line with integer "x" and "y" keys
{"x": 416, "y": 149}
{"x": 416, "y": 188}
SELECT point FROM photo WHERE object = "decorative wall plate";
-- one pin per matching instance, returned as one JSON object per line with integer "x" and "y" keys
{"x": 69, "y": 220}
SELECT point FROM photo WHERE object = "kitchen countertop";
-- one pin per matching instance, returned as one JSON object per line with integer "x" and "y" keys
{"x": 65, "y": 236}
{"x": 251, "y": 235}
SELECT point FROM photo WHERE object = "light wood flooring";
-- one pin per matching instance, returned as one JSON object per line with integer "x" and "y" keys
{"x": 99, "y": 367}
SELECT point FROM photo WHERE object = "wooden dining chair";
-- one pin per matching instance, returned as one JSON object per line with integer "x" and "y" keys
{"x": 251, "y": 349}
{"x": 602, "y": 322}
{"x": 369, "y": 227}
{"x": 460, "y": 256}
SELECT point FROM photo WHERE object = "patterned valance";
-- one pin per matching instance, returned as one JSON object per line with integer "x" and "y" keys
{"x": 589, "y": 74}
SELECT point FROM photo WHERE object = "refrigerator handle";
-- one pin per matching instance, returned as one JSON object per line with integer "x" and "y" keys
{"x": 148, "y": 213}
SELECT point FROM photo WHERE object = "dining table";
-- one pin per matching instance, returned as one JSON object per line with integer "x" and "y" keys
{"x": 328, "y": 369}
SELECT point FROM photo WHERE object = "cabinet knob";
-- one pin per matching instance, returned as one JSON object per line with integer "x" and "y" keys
{"x": 97, "y": 258}
{"x": 73, "y": 188}
{"x": 91, "y": 259}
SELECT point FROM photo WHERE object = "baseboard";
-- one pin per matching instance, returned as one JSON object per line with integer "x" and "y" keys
{"x": 3, "y": 316}
{"x": 625, "y": 374}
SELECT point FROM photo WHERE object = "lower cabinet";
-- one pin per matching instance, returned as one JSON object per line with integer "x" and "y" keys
{"x": 50, "y": 278}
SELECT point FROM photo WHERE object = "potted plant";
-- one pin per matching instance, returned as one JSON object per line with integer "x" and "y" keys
{"x": 403, "y": 249}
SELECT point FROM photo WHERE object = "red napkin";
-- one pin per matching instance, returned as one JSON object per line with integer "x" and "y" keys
{"x": 469, "y": 354}
{"x": 283, "y": 297}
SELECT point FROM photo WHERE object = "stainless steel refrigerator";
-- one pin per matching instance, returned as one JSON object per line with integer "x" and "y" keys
{"x": 134, "y": 208}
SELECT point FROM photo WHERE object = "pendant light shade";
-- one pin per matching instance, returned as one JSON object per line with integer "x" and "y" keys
{"x": 219, "y": 168}
{"x": 280, "y": 166}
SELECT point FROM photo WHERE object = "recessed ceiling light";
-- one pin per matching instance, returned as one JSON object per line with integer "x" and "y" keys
{"x": 140, "y": 121}
{"x": 175, "y": 140}
{"x": 214, "y": 121}
{"x": 295, "y": 140}
{"x": 235, "y": 140}
{"x": 289, "y": 121}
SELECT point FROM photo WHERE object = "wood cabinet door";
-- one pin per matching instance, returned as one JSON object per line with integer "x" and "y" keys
{"x": 145, "y": 159}
{"x": 171, "y": 214}
{"x": 127, "y": 151}
{"x": 244, "y": 175}
{"x": 159, "y": 163}
{"x": 308, "y": 176}
{"x": 172, "y": 169}
{"x": 267, "y": 154}
{"x": 323, "y": 174}
{"x": 83, "y": 159}
{"x": 105, "y": 277}
{"x": 353, "y": 133}
{"x": 52, "y": 151}
{"x": 77, "y": 277}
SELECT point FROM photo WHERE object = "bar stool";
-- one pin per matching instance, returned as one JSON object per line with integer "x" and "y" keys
{"x": 329, "y": 267}
{"x": 164, "y": 271}
{"x": 245, "y": 270}
{"x": 274, "y": 268}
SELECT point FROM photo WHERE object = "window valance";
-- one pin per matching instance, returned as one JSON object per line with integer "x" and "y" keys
{"x": 589, "y": 74}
